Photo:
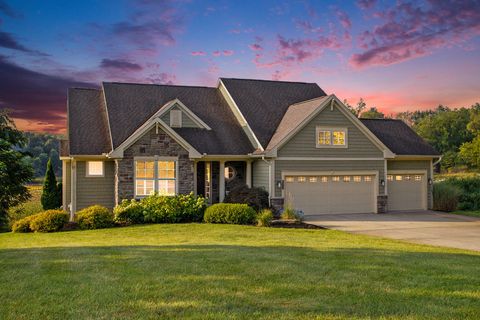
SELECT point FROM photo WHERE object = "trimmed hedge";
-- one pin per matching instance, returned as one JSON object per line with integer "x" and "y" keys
{"x": 256, "y": 198}
{"x": 23, "y": 225}
{"x": 94, "y": 217}
{"x": 129, "y": 212}
{"x": 230, "y": 213}
{"x": 469, "y": 197}
{"x": 46, "y": 221}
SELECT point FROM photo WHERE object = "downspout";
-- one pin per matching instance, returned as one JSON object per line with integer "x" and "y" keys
{"x": 438, "y": 161}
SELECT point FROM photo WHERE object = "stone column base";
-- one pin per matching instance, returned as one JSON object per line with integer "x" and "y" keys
{"x": 382, "y": 203}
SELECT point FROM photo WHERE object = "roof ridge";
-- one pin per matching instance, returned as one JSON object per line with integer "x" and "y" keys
{"x": 383, "y": 119}
{"x": 84, "y": 88}
{"x": 156, "y": 84}
{"x": 267, "y": 80}
{"x": 305, "y": 101}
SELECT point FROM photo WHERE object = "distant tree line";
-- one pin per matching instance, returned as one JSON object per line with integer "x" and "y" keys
{"x": 453, "y": 132}
{"x": 40, "y": 147}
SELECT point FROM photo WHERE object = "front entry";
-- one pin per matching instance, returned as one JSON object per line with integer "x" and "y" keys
{"x": 325, "y": 194}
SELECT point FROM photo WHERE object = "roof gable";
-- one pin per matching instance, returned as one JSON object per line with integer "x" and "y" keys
{"x": 176, "y": 104}
{"x": 263, "y": 103}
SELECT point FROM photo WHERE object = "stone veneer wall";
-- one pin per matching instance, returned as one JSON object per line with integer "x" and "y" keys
{"x": 149, "y": 145}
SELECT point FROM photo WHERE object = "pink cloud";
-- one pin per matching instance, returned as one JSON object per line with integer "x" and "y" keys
{"x": 255, "y": 47}
{"x": 344, "y": 19}
{"x": 228, "y": 52}
{"x": 216, "y": 53}
{"x": 411, "y": 30}
{"x": 198, "y": 53}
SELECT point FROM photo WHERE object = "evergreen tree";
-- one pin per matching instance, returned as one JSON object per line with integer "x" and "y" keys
{"x": 51, "y": 195}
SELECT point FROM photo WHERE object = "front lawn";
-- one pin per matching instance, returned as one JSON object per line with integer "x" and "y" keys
{"x": 474, "y": 213}
{"x": 232, "y": 272}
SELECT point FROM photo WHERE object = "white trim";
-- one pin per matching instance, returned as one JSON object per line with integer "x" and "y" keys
{"x": 166, "y": 107}
{"x": 327, "y": 158}
{"x": 179, "y": 119}
{"x": 341, "y": 107}
{"x": 107, "y": 115}
{"x": 415, "y": 157}
{"x": 221, "y": 182}
{"x": 374, "y": 173}
{"x": 331, "y": 129}
{"x": 406, "y": 171}
{"x": 248, "y": 173}
{"x": 195, "y": 183}
{"x": 148, "y": 125}
{"x": 64, "y": 185}
{"x": 240, "y": 117}
{"x": 155, "y": 179}
{"x": 385, "y": 174}
{"x": 73, "y": 189}
{"x": 87, "y": 169}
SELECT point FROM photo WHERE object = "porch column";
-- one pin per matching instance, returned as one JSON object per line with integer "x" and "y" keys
{"x": 195, "y": 177}
{"x": 248, "y": 178}
{"x": 221, "y": 186}
{"x": 73, "y": 190}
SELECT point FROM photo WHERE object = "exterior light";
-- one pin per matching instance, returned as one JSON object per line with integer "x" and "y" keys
{"x": 382, "y": 182}
{"x": 430, "y": 181}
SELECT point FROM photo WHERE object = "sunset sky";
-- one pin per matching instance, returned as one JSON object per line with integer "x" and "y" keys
{"x": 397, "y": 55}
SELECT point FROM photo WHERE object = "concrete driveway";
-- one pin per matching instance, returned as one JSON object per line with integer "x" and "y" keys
{"x": 426, "y": 227}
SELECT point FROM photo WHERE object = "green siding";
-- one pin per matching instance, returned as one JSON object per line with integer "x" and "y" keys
{"x": 95, "y": 190}
{"x": 187, "y": 122}
{"x": 414, "y": 165}
{"x": 303, "y": 144}
{"x": 328, "y": 165}
{"x": 67, "y": 183}
{"x": 260, "y": 174}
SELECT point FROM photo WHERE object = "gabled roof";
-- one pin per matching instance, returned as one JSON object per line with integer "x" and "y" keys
{"x": 87, "y": 123}
{"x": 263, "y": 103}
{"x": 399, "y": 137}
{"x": 295, "y": 115}
{"x": 130, "y": 105}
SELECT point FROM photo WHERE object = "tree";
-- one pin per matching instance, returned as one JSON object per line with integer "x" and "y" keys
{"x": 372, "y": 113}
{"x": 358, "y": 109}
{"x": 470, "y": 152}
{"x": 51, "y": 194}
{"x": 15, "y": 170}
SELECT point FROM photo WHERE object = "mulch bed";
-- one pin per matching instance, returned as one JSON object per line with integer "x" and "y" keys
{"x": 293, "y": 224}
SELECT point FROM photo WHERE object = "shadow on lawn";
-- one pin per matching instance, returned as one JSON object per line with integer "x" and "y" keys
{"x": 228, "y": 281}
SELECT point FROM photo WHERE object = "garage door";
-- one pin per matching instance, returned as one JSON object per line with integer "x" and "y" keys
{"x": 406, "y": 192}
{"x": 331, "y": 194}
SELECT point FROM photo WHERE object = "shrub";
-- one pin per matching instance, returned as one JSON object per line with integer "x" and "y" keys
{"x": 264, "y": 218}
{"x": 49, "y": 221}
{"x": 167, "y": 209}
{"x": 232, "y": 213}
{"x": 256, "y": 198}
{"x": 129, "y": 212}
{"x": 23, "y": 225}
{"x": 469, "y": 188}
{"x": 445, "y": 196}
{"x": 94, "y": 217}
{"x": 52, "y": 193}
{"x": 291, "y": 214}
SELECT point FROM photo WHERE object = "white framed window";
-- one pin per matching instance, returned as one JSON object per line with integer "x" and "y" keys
{"x": 346, "y": 179}
{"x": 335, "y": 178}
{"x": 324, "y": 179}
{"x": 155, "y": 175}
{"x": 418, "y": 178}
{"x": 357, "y": 179}
{"x": 389, "y": 177}
{"x": 312, "y": 179}
{"x": 398, "y": 178}
{"x": 367, "y": 179}
{"x": 331, "y": 137}
{"x": 95, "y": 169}
{"x": 408, "y": 178}
{"x": 302, "y": 179}
{"x": 176, "y": 118}
{"x": 289, "y": 179}
{"x": 230, "y": 173}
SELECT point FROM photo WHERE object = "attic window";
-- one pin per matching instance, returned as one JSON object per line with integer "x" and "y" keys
{"x": 176, "y": 118}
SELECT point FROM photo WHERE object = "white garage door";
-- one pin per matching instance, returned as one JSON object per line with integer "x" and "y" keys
{"x": 331, "y": 194}
{"x": 407, "y": 192}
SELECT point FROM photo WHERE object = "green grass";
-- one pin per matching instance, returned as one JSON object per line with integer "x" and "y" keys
{"x": 202, "y": 271}
{"x": 468, "y": 213}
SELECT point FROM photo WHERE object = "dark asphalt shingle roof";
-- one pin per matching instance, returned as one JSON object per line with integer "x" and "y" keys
{"x": 263, "y": 102}
{"x": 130, "y": 105}
{"x": 87, "y": 123}
{"x": 399, "y": 137}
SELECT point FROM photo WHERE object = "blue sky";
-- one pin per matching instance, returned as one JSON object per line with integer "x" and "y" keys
{"x": 397, "y": 55}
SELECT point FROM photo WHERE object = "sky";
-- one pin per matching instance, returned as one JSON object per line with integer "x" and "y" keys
{"x": 396, "y": 55}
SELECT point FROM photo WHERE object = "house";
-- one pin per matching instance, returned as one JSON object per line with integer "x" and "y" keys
{"x": 300, "y": 144}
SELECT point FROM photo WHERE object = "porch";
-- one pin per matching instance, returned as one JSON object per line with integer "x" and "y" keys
{"x": 215, "y": 178}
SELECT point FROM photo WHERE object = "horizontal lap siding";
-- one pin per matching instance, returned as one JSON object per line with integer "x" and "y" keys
{"x": 328, "y": 165}
{"x": 414, "y": 165}
{"x": 260, "y": 171}
{"x": 187, "y": 122}
{"x": 95, "y": 190}
{"x": 303, "y": 144}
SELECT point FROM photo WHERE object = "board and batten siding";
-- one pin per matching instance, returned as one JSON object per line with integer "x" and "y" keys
{"x": 260, "y": 170}
{"x": 303, "y": 144}
{"x": 334, "y": 166}
{"x": 406, "y": 165}
{"x": 95, "y": 190}
{"x": 187, "y": 122}
{"x": 66, "y": 184}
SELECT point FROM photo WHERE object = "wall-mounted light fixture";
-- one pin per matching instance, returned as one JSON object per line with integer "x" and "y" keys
{"x": 382, "y": 182}
{"x": 430, "y": 181}
{"x": 280, "y": 184}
